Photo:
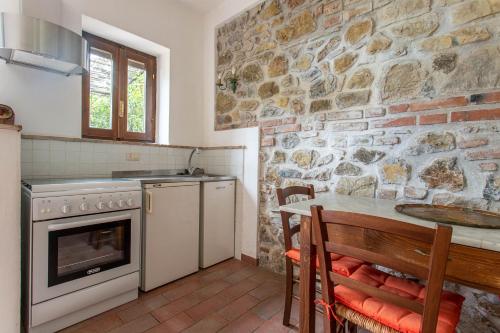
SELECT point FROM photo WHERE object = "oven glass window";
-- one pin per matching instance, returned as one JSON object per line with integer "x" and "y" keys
{"x": 78, "y": 252}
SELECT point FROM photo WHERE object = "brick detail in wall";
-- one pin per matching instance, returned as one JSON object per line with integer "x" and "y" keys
{"x": 397, "y": 122}
{"x": 433, "y": 119}
{"x": 267, "y": 142}
{"x": 487, "y": 98}
{"x": 398, "y": 108}
{"x": 439, "y": 104}
{"x": 476, "y": 115}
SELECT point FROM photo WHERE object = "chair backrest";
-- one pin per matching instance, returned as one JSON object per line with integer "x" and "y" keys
{"x": 326, "y": 226}
{"x": 283, "y": 194}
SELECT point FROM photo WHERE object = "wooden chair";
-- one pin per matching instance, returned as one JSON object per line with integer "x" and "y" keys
{"x": 342, "y": 265}
{"x": 373, "y": 299}
{"x": 288, "y": 233}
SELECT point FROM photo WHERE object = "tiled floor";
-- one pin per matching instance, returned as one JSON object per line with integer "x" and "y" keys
{"x": 228, "y": 297}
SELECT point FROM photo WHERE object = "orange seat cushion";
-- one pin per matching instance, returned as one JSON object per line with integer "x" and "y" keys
{"x": 394, "y": 316}
{"x": 340, "y": 264}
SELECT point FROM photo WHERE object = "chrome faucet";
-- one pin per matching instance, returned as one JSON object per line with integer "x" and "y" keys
{"x": 191, "y": 170}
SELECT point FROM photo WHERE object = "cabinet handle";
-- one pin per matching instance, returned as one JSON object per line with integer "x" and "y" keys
{"x": 122, "y": 109}
{"x": 149, "y": 202}
{"x": 220, "y": 187}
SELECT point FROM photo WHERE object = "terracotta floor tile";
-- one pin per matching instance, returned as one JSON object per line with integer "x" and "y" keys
{"x": 133, "y": 312}
{"x": 209, "y": 324}
{"x": 245, "y": 324}
{"x": 207, "y": 307}
{"x": 267, "y": 289}
{"x": 238, "y": 307}
{"x": 231, "y": 296}
{"x": 138, "y": 325}
{"x": 210, "y": 290}
{"x": 182, "y": 290}
{"x": 264, "y": 275}
{"x": 268, "y": 308}
{"x": 271, "y": 326}
{"x": 155, "y": 302}
{"x": 239, "y": 289}
{"x": 168, "y": 311}
{"x": 241, "y": 274}
{"x": 175, "y": 324}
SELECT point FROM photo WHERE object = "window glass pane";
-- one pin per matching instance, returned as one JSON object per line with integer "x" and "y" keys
{"x": 136, "y": 97}
{"x": 101, "y": 89}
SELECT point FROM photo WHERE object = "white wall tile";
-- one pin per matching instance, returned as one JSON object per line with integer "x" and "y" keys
{"x": 53, "y": 158}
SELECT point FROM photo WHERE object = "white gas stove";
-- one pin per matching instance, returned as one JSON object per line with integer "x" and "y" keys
{"x": 81, "y": 247}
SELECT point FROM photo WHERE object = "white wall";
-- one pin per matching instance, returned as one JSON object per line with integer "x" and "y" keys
{"x": 248, "y": 136}
{"x": 49, "y": 104}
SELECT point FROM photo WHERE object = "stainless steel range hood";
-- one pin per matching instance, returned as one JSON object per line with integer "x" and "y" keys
{"x": 40, "y": 44}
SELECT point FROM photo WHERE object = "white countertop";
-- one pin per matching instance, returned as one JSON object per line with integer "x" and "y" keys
{"x": 482, "y": 238}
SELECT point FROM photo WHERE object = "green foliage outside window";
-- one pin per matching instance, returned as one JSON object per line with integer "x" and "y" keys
{"x": 100, "y": 105}
{"x": 100, "y": 111}
{"x": 136, "y": 100}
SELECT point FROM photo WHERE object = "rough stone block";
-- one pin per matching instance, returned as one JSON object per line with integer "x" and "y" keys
{"x": 351, "y": 126}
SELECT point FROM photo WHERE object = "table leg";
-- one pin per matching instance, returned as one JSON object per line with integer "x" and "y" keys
{"x": 307, "y": 277}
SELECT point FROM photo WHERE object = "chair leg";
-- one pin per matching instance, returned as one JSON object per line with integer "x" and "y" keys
{"x": 288, "y": 292}
{"x": 351, "y": 328}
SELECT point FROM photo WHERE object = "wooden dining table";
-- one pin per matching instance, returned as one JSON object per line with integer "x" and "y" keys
{"x": 474, "y": 256}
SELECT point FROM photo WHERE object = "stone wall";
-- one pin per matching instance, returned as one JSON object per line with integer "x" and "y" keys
{"x": 390, "y": 99}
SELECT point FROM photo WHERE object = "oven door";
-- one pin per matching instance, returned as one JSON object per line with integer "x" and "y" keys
{"x": 75, "y": 253}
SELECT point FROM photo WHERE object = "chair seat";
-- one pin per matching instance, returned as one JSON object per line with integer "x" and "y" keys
{"x": 398, "y": 318}
{"x": 341, "y": 264}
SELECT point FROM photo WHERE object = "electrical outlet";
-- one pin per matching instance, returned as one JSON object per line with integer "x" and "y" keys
{"x": 133, "y": 157}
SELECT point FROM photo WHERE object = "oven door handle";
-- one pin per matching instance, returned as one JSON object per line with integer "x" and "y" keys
{"x": 71, "y": 225}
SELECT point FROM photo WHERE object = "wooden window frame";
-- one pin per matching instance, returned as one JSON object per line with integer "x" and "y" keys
{"x": 121, "y": 54}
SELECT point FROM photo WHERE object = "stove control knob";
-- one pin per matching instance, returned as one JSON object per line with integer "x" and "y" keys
{"x": 130, "y": 202}
{"x": 66, "y": 209}
{"x": 100, "y": 205}
{"x": 121, "y": 203}
{"x": 111, "y": 204}
{"x": 84, "y": 206}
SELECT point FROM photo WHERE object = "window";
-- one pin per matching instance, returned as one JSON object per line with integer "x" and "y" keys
{"x": 119, "y": 92}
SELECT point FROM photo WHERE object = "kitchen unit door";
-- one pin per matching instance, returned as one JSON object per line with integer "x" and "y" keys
{"x": 170, "y": 232}
{"x": 217, "y": 222}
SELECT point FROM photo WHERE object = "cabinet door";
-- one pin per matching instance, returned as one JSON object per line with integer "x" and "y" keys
{"x": 217, "y": 222}
{"x": 171, "y": 233}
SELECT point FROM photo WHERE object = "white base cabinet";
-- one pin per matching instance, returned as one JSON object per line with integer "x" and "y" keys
{"x": 217, "y": 222}
{"x": 10, "y": 208}
{"x": 170, "y": 232}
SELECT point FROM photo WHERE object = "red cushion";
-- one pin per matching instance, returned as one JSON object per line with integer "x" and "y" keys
{"x": 341, "y": 264}
{"x": 394, "y": 316}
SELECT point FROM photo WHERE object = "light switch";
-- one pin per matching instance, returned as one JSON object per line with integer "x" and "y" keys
{"x": 133, "y": 157}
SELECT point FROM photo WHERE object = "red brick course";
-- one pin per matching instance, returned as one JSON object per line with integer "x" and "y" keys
{"x": 432, "y": 119}
{"x": 488, "y": 98}
{"x": 398, "y": 108}
{"x": 268, "y": 142}
{"x": 405, "y": 121}
{"x": 440, "y": 104}
{"x": 476, "y": 115}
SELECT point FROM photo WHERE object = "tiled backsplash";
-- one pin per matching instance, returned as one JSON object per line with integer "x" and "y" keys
{"x": 43, "y": 158}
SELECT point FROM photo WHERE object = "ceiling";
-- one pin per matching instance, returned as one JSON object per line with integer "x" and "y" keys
{"x": 202, "y": 5}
